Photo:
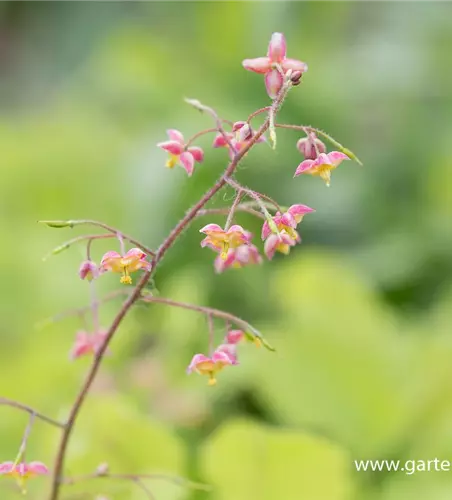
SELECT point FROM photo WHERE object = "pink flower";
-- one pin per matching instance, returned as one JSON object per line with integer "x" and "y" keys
{"x": 242, "y": 135}
{"x": 23, "y": 471}
{"x": 288, "y": 221}
{"x": 280, "y": 243}
{"x": 230, "y": 350}
{"x": 179, "y": 154}
{"x": 321, "y": 166}
{"x": 275, "y": 65}
{"x": 209, "y": 366}
{"x": 88, "y": 270}
{"x": 220, "y": 240}
{"x": 237, "y": 258}
{"x": 236, "y": 336}
{"x": 133, "y": 260}
{"x": 310, "y": 146}
{"x": 86, "y": 344}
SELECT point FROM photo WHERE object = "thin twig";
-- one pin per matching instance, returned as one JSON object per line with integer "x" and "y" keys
{"x": 199, "y": 134}
{"x": 31, "y": 411}
{"x": 233, "y": 209}
{"x": 23, "y": 444}
{"x": 110, "y": 229}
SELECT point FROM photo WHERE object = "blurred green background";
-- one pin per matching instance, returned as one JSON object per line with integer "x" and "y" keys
{"x": 359, "y": 313}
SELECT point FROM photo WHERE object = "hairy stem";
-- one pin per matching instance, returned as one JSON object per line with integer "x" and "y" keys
{"x": 136, "y": 294}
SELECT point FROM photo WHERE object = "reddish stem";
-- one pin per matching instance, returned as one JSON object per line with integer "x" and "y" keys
{"x": 136, "y": 294}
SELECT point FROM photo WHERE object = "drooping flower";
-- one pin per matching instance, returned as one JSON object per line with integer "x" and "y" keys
{"x": 179, "y": 154}
{"x": 236, "y": 336}
{"x": 287, "y": 221}
{"x": 88, "y": 270}
{"x": 220, "y": 240}
{"x": 133, "y": 260}
{"x": 23, "y": 471}
{"x": 237, "y": 258}
{"x": 322, "y": 165}
{"x": 310, "y": 146}
{"x": 274, "y": 65}
{"x": 209, "y": 366}
{"x": 86, "y": 344}
{"x": 230, "y": 350}
{"x": 240, "y": 136}
{"x": 280, "y": 243}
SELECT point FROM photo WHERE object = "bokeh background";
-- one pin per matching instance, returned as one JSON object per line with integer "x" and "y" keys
{"x": 360, "y": 313}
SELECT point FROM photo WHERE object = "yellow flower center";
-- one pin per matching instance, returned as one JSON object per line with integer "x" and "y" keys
{"x": 212, "y": 379}
{"x": 172, "y": 160}
{"x": 126, "y": 279}
{"x": 224, "y": 252}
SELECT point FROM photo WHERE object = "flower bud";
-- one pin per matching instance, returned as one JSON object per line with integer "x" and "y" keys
{"x": 237, "y": 126}
{"x": 245, "y": 133}
{"x": 102, "y": 469}
{"x": 295, "y": 78}
{"x": 311, "y": 146}
{"x": 88, "y": 270}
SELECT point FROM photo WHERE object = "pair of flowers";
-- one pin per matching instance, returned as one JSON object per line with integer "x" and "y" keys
{"x": 186, "y": 156}
{"x": 224, "y": 355}
{"x": 234, "y": 245}
{"x": 131, "y": 261}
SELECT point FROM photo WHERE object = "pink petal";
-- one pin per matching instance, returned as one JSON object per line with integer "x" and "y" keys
{"x": 221, "y": 357}
{"x": 211, "y": 228}
{"x": 258, "y": 65}
{"x": 230, "y": 350}
{"x": 197, "y": 153}
{"x": 273, "y": 82}
{"x": 173, "y": 147}
{"x": 221, "y": 264}
{"x": 247, "y": 254}
{"x": 234, "y": 336}
{"x": 266, "y": 231}
{"x": 277, "y": 48}
{"x": 220, "y": 141}
{"x": 299, "y": 209}
{"x": 188, "y": 162}
{"x": 135, "y": 253}
{"x": 197, "y": 358}
{"x": 38, "y": 468}
{"x": 207, "y": 242}
{"x": 270, "y": 246}
{"x": 294, "y": 65}
{"x": 323, "y": 159}
{"x": 336, "y": 158}
{"x": 236, "y": 228}
{"x": 6, "y": 467}
{"x": 304, "y": 166}
{"x": 175, "y": 135}
{"x": 288, "y": 219}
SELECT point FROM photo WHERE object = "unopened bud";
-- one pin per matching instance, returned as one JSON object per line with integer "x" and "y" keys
{"x": 102, "y": 469}
{"x": 237, "y": 126}
{"x": 88, "y": 270}
{"x": 244, "y": 133}
{"x": 311, "y": 146}
{"x": 295, "y": 77}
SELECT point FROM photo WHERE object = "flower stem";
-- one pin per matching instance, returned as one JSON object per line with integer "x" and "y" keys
{"x": 30, "y": 411}
{"x": 136, "y": 294}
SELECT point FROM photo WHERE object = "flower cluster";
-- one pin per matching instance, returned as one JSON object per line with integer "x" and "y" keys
{"x": 224, "y": 355}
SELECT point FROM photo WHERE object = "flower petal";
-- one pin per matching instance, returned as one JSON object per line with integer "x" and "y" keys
{"x": 336, "y": 157}
{"x": 211, "y": 228}
{"x": 220, "y": 141}
{"x": 303, "y": 167}
{"x": 277, "y": 48}
{"x": 197, "y": 153}
{"x": 37, "y": 468}
{"x": 172, "y": 147}
{"x": 6, "y": 467}
{"x": 297, "y": 210}
{"x": 111, "y": 261}
{"x": 266, "y": 231}
{"x": 258, "y": 64}
{"x": 234, "y": 336}
{"x": 273, "y": 82}
{"x": 294, "y": 65}
{"x": 175, "y": 135}
{"x": 188, "y": 162}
